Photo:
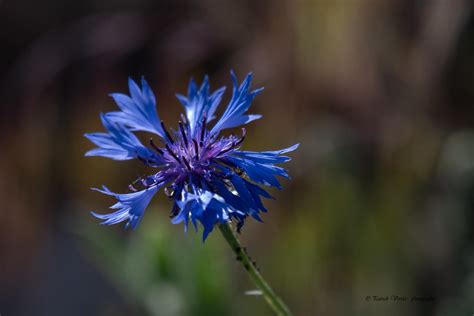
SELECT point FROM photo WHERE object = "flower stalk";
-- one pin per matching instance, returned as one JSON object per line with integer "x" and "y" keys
{"x": 275, "y": 302}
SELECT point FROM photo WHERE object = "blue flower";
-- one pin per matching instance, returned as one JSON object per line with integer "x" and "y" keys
{"x": 205, "y": 174}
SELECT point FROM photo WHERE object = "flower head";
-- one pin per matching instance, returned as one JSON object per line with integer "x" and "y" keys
{"x": 206, "y": 174}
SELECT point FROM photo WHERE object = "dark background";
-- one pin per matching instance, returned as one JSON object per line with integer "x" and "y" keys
{"x": 378, "y": 93}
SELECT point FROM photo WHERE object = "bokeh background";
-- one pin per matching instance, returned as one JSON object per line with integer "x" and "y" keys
{"x": 379, "y": 94}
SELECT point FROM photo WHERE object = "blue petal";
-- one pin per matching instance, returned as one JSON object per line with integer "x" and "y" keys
{"x": 258, "y": 172}
{"x": 119, "y": 143}
{"x": 206, "y": 207}
{"x": 259, "y": 166}
{"x": 268, "y": 156}
{"x": 200, "y": 103}
{"x": 138, "y": 111}
{"x": 245, "y": 194}
{"x": 256, "y": 192}
{"x": 245, "y": 206}
{"x": 130, "y": 207}
{"x": 234, "y": 114}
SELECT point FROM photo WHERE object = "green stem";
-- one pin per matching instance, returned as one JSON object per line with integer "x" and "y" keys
{"x": 268, "y": 294}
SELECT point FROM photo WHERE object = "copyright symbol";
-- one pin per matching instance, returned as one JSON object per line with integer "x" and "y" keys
{"x": 367, "y": 298}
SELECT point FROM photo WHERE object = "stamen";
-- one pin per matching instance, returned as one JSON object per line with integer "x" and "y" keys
{"x": 172, "y": 153}
{"x": 183, "y": 132}
{"x": 244, "y": 132}
{"x": 148, "y": 182}
{"x": 183, "y": 118}
{"x": 131, "y": 186}
{"x": 196, "y": 148}
{"x": 156, "y": 148}
{"x": 166, "y": 132}
{"x": 169, "y": 192}
{"x": 186, "y": 163}
{"x": 227, "y": 149}
{"x": 203, "y": 128}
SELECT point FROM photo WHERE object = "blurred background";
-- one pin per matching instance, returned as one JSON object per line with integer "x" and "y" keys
{"x": 379, "y": 94}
